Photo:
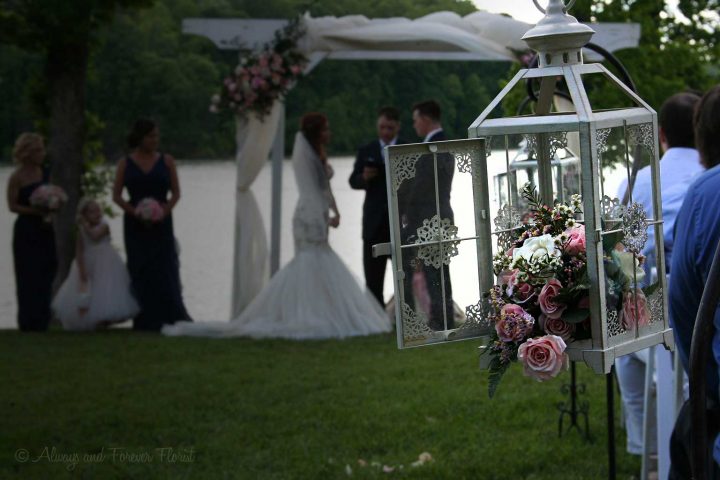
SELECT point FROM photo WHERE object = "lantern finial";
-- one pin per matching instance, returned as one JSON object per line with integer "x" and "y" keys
{"x": 558, "y": 37}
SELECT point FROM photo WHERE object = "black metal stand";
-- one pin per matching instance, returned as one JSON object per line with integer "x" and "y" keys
{"x": 572, "y": 407}
{"x": 610, "y": 392}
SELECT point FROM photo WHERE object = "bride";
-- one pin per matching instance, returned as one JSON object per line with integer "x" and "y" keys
{"x": 315, "y": 295}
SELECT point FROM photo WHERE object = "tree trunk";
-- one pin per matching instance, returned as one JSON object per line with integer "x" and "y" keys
{"x": 66, "y": 71}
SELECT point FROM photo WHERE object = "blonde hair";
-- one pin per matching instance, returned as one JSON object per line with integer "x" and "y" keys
{"x": 83, "y": 205}
{"x": 24, "y": 146}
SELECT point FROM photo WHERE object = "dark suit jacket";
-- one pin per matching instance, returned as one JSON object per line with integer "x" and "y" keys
{"x": 417, "y": 197}
{"x": 376, "y": 222}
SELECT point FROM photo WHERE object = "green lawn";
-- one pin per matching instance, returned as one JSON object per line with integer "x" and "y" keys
{"x": 280, "y": 409}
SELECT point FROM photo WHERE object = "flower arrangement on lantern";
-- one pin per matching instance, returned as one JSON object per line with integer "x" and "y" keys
{"x": 262, "y": 78}
{"x": 541, "y": 300}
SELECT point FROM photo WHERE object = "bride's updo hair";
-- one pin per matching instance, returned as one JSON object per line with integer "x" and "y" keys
{"x": 312, "y": 126}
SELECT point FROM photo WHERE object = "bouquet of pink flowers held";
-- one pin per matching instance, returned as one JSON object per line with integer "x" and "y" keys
{"x": 541, "y": 301}
{"x": 149, "y": 210}
{"x": 48, "y": 197}
{"x": 264, "y": 77}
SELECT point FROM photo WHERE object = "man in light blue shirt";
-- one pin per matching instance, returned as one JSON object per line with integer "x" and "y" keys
{"x": 679, "y": 166}
{"x": 697, "y": 235}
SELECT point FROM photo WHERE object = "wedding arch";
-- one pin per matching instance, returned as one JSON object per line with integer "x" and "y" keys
{"x": 479, "y": 36}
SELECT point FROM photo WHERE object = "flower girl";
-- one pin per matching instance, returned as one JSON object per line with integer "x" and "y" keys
{"x": 97, "y": 289}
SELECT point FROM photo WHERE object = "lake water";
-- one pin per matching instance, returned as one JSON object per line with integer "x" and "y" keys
{"x": 204, "y": 229}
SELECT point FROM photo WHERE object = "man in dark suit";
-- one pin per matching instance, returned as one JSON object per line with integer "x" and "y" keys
{"x": 369, "y": 175}
{"x": 418, "y": 203}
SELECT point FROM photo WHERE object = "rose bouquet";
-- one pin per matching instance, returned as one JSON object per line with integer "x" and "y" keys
{"x": 48, "y": 197}
{"x": 149, "y": 210}
{"x": 541, "y": 300}
{"x": 262, "y": 78}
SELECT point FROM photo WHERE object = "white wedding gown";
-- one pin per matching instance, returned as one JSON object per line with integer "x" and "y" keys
{"x": 314, "y": 296}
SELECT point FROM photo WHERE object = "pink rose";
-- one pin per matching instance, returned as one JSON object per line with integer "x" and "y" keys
{"x": 546, "y": 299}
{"x": 576, "y": 240}
{"x": 543, "y": 358}
{"x": 635, "y": 310}
{"x": 555, "y": 326}
{"x": 524, "y": 292}
{"x": 506, "y": 277}
{"x": 514, "y": 323}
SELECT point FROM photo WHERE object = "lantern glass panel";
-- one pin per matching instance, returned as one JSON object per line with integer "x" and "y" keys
{"x": 612, "y": 97}
{"x": 633, "y": 292}
{"x": 434, "y": 222}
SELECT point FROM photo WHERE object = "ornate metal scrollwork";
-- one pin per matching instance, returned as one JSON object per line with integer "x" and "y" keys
{"x": 641, "y": 134}
{"x": 436, "y": 229}
{"x": 555, "y": 141}
{"x": 477, "y": 318}
{"x": 404, "y": 168}
{"x": 415, "y": 325}
{"x": 601, "y": 138}
{"x": 611, "y": 209}
{"x": 465, "y": 158}
{"x": 655, "y": 305}
{"x": 508, "y": 217}
{"x": 634, "y": 228}
{"x": 614, "y": 327}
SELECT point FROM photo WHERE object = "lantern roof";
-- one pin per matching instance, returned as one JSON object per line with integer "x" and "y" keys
{"x": 558, "y": 33}
{"x": 558, "y": 39}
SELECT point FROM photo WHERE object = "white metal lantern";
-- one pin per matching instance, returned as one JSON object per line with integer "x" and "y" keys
{"x": 627, "y": 308}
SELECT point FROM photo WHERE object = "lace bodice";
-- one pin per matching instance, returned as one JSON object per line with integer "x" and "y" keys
{"x": 310, "y": 220}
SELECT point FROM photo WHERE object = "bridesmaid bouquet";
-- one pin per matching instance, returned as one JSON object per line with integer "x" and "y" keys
{"x": 149, "y": 210}
{"x": 49, "y": 198}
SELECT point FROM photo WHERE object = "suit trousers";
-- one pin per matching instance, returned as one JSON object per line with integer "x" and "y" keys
{"x": 374, "y": 271}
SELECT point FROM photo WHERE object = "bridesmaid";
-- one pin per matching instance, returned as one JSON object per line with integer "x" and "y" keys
{"x": 152, "y": 256}
{"x": 33, "y": 237}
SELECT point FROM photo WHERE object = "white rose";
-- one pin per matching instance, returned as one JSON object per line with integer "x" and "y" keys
{"x": 536, "y": 248}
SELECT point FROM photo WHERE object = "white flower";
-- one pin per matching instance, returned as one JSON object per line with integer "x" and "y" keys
{"x": 215, "y": 99}
{"x": 537, "y": 248}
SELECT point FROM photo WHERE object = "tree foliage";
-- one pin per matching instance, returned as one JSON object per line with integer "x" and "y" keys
{"x": 143, "y": 65}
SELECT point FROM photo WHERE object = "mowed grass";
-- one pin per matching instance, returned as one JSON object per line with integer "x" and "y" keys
{"x": 241, "y": 408}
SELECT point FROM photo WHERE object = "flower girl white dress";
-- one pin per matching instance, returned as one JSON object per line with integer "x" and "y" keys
{"x": 108, "y": 298}
{"x": 315, "y": 295}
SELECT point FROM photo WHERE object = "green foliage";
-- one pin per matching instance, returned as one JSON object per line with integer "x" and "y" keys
{"x": 276, "y": 409}
{"x": 98, "y": 176}
{"x": 143, "y": 65}
{"x": 673, "y": 56}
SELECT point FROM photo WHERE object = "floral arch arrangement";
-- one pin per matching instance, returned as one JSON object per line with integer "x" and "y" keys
{"x": 263, "y": 77}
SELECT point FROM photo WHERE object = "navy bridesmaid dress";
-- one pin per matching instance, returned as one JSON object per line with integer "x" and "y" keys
{"x": 35, "y": 264}
{"x": 152, "y": 256}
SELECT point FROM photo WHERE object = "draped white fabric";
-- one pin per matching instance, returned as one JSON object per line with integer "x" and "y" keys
{"x": 488, "y": 36}
{"x": 250, "y": 270}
